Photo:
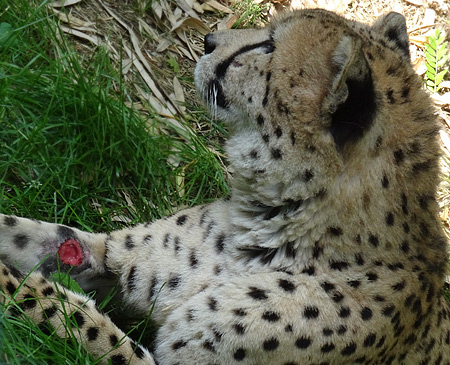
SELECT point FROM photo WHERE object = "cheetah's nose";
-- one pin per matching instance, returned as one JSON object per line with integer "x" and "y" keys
{"x": 209, "y": 44}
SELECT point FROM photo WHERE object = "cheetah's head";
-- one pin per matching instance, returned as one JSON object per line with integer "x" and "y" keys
{"x": 295, "y": 95}
{"x": 328, "y": 124}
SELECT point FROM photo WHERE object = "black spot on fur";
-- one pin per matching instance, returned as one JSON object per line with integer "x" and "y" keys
{"x": 176, "y": 244}
{"x": 303, "y": 342}
{"x": 399, "y": 156}
{"x": 181, "y": 220}
{"x": 271, "y": 344}
{"x": 118, "y": 360}
{"x": 10, "y": 221}
{"x": 21, "y": 241}
{"x": 390, "y": 96}
{"x": 79, "y": 319}
{"x": 174, "y": 281}
{"x": 256, "y": 293}
{"x": 48, "y": 291}
{"x": 239, "y": 328}
{"x": 370, "y": 340}
{"x": 308, "y": 174}
{"x": 239, "y": 354}
{"x": 335, "y": 231}
{"x": 276, "y": 153}
{"x": 152, "y": 288}
{"x": 212, "y": 304}
{"x": 208, "y": 345}
{"x": 311, "y": 312}
{"x": 260, "y": 119}
{"x": 385, "y": 182}
{"x": 399, "y": 286}
{"x": 92, "y": 333}
{"x": 328, "y": 347}
{"x": 278, "y": 132}
{"x": 349, "y": 349}
{"x": 49, "y": 312}
{"x": 271, "y": 316}
{"x": 29, "y": 302}
{"x": 317, "y": 250}
{"x": 193, "y": 260}
{"x": 131, "y": 279}
{"x": 388, "y": 310}
{"x": 366, "y": 314}
{"x": 292, "y": 135}
{"x": 405, "y": 204}
{"x": 390, "y": 219}
{"x": 344, "y": 312}
{"x": 10, "y": 288}
{"x": 359, "y": 260}
{"x": 339, "y": 265}
{"x": 266, "y": 96}
{"x": 220, "y": 243}
{"x": 406, "y": 227}
{"x": 240, "y": 312}
{"x": 291, "y": 252}
{"x": 178, "y": 345}
{"x": 310, "y": 270}
{"x": 254, "y": 154}
{"x": 286, "y": 285}
{"x": 354, "y": 283}
{"x": 129, "y": 244}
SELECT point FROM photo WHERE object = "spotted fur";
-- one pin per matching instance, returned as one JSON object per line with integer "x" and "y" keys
{"x": 329, "y": 250}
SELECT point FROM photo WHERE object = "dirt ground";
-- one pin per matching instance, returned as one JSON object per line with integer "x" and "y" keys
{"x": 157, "y": 44}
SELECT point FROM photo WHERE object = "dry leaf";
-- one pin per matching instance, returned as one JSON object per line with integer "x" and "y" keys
{"x": 64, "y": 3}
{"x": 441, "y": 100}
{"x": 227, "y": 22}
{"x": 429, "y": 17}
{"x": 192, "y": 23}
{"x": 445, "y": 84}
{"x": 179, "y": 94}
{"x": 415, "y": 2}
{"x": 73, "y": 21}
{"x": 157, "y": 9}
{"x": 217, "y": 6}
{"x": 93, "y": 39}
{"x": 418, "y": 40}
{"x": 187, "y": 9}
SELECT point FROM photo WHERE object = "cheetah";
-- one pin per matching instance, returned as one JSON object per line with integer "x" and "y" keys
{"x": 329, "y": 249}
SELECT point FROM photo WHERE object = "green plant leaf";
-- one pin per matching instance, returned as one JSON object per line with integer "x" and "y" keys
{"x": 430, "y": 68}
{"x": 65, "y": 280}
{"x": 431, "y": 58}
{"x": 174, "y": 64}
{"x": 430, "y": 75}
{"x": 442, "y": 51}
{"x": 432, "y": 42}
{"x": 6, "y": 31}
{"x": 440, "y": 76}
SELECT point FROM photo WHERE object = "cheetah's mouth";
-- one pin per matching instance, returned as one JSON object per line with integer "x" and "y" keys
{"x": 215, "y": 95}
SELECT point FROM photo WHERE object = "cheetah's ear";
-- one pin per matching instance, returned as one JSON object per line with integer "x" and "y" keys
{"x": 351, "y": 100}
{"x": 393, "y": 27}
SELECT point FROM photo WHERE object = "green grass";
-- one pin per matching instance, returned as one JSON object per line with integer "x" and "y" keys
{"x": 72, "y": 152}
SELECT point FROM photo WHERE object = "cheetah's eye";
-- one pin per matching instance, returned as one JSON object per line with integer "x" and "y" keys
{"x": 268, "y": 47}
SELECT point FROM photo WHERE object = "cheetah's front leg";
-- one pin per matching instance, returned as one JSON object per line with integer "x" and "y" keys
{"x": 49, "y": 306}
{"x": 169, "y": 260}
{"x": 26, "y": 244}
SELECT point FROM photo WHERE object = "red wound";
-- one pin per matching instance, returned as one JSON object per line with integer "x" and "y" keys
{"x": 71, "y": 252}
